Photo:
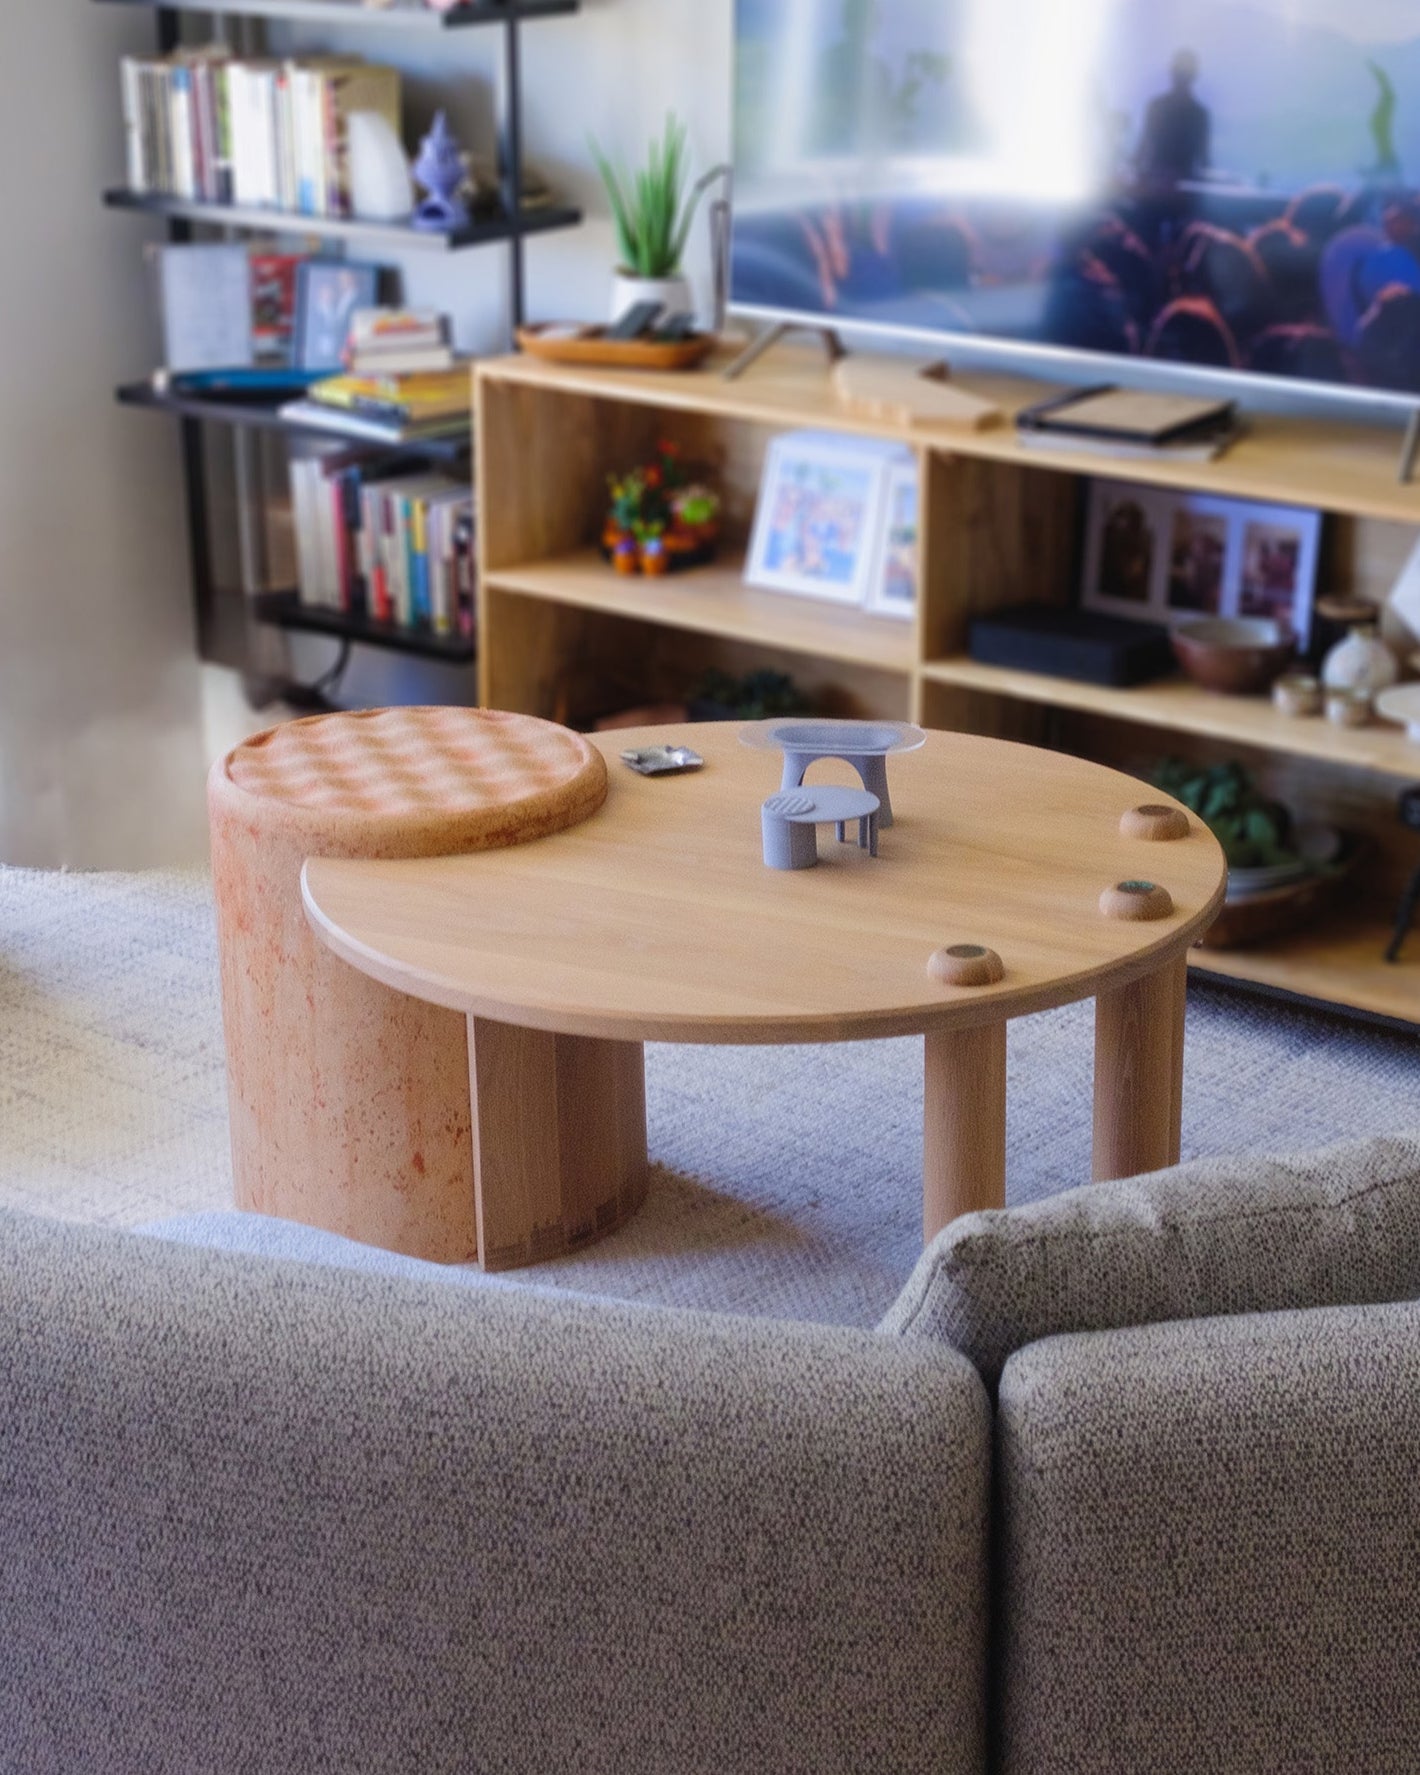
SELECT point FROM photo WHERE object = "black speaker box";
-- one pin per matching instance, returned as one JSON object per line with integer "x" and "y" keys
{"x": 1067, "y": 643}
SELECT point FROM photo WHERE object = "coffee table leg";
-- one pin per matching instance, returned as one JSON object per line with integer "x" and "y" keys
{"x": 964, "y": 1133}
{"x": 559, "y": 1140}
{"x": 1139, "y": 1073}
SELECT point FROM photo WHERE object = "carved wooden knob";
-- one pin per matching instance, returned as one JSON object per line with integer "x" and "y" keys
{"x": 1137, "y": 900}
{"x": 1155, "y": 822}
{"x": 966, "y": 964}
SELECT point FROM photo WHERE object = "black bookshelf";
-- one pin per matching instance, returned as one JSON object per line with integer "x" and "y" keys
{"x": 284, "y": 610}
{"x": 405, "y": 17}
{"x": 266, "y": 416}
{"x": 221, "y": 616}
{"x": 398, "y": 236}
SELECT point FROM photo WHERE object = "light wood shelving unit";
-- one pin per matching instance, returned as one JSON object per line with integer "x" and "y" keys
{"x": 564, "y": 636}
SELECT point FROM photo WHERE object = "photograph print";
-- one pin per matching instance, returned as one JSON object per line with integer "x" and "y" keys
{"x": 1123, "y": 550}
{"x": 818, "y": 521}
{"x": 1198, "y": 558}
{"x": 1162, "y": 556}
{"x": 894, "y": 587}
{"x": 1278, "y": 570}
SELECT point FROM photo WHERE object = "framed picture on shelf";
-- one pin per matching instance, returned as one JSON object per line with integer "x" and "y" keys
{"x": 818, "y": 521}
{"x": 328, "y": 292}
{"x": 1124, "y": 549}
{"x": 892, "y": 590}
{"x": 1277, "y": 569}
{"x": 1166, "y": 556}
{"x": 1199, "y": 538}
{"x": 273, "y": 302}
{"x": 205, "y": 299}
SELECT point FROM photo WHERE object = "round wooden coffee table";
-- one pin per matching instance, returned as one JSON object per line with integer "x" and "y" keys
{"x": 657, "y": 920}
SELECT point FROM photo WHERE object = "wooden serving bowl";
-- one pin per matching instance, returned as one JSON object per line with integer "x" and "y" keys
{"x": 1236, "y": 656}
{"x": 1268, "y": 917}
{"x": 590, "y": 345}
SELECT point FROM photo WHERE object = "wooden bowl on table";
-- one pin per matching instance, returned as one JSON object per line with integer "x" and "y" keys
{"x": 1236, "y": 656}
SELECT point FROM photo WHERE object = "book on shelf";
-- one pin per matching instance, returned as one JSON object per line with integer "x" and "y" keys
{"x": 1206, "y": 447}
{"x": 261, "y": 133}
{"x": 313, "y": 415}
{"x": 1131, "y": 422}
{"x": 377, "y": 540}
{"x": 412, "y": 399}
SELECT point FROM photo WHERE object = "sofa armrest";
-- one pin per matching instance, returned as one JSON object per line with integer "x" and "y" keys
{"x": 259, "y": 1515}
{"x": 1209, "y": 1551}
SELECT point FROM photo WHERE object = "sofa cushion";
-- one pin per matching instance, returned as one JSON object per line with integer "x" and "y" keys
{"x": 260, "y": 1515}
{"x": 1207, "y": 1558}
{"x": 1334, "y": 1228}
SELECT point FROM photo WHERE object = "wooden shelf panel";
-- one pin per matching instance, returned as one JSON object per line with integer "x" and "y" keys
{"x": 486, "y": 231}
{"x": 1332, "y": 465}
{"x": 715, "y": 601}
{"x": 405, "y": 17}
{"x": 1181, "y": 705}
{"x": 1340, "y": 963}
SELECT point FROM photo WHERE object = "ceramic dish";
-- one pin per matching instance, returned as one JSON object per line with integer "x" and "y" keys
{"x": 662, "y": 761}
{"x": 1402, "y": 704}
{"x": 833, "y": 739}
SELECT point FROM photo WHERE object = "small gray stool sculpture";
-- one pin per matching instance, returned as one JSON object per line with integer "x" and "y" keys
{"x": 863, "y": 744}
{"x": 789, "y": 819}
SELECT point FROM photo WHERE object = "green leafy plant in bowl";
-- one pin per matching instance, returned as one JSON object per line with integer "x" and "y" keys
{"x": 1255, "y": 832}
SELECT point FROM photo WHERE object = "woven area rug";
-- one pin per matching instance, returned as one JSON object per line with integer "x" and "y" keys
{"x": 787, "y": 1180}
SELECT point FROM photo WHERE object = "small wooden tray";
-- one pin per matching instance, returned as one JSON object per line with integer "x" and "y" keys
{"x": 590, "y": 345}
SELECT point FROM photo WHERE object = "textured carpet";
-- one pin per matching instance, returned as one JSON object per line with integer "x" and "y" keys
{"x": 787, "y": 1181}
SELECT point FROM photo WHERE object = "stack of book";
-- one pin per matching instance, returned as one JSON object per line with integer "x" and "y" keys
{"x": 398, "y": 342}
{"x": 379, "y": 541}
{"x": 202, "y": 125}
{"x": 392, "y": 408}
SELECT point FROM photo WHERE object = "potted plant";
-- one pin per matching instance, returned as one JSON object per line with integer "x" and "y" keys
{"x": 652, "y": 212}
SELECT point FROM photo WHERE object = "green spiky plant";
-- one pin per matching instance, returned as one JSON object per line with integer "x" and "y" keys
{"x": 651, "y": 210}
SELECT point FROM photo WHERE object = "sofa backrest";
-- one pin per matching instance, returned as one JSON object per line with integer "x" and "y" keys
{"x": 1209, "y": 1548}
{"x": 1221, "y": 1236}
{"x": 259, "y": 1515}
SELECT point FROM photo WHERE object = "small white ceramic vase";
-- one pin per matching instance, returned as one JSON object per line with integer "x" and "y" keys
{"x": 1360, "y": 662}
{"x": 673, "y": 293}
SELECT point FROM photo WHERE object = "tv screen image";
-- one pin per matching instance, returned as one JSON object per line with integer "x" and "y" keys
{"x": 1232, "y": 185}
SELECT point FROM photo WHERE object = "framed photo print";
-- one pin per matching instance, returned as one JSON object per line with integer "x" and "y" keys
{"x": 818, "y": 521}
{"x": 328, "y": 291}
{"x": 1199, "y": 540}
{"x": 1124, "y": 549}
{"x": 893, "y": 589}
{"x": 1277, "y": 574}
{"x": 1164, "y": 556}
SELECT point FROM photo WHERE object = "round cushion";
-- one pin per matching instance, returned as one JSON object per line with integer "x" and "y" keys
{"x": 424, "y": 780}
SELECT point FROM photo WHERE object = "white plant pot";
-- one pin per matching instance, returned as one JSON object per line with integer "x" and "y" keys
{"x": 673, "y": 293}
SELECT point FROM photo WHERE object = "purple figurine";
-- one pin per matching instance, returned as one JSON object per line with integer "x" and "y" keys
{"x": 440, "y": 170}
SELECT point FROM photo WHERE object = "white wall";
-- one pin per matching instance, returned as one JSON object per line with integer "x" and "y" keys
{"x": 100, "y": 745}
{"x": 102, "y": 751}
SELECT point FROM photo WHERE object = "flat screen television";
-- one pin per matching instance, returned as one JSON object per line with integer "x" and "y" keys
{"x": 1228, "y": 186}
